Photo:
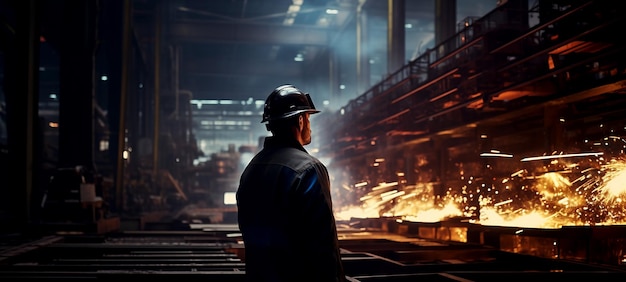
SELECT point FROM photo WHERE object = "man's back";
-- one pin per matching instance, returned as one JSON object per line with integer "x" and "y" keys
{"x": 285, "y": 216}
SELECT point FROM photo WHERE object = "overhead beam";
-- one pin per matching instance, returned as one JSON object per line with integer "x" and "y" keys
{"x": 248, "y": 33}
{"x": 224, "y": 66}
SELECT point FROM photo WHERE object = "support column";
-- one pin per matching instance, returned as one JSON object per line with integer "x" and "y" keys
{"x": 76, "y": 106}
{"x": 395, "y": 35}
{"x": 116, "y": 39}
{"x": 21, "y": 87}
{"x": 362, "y": 50}
{"x": 439, "y": 167}
{"x": 554, "y": 130}
{"x": 333, "y": 77}
{"x": 445, "y": 20}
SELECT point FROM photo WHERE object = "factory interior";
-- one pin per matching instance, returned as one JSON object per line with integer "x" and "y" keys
{"x": 465, "y": 140}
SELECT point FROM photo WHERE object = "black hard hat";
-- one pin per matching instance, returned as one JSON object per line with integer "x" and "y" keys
{"x": 287, "y": 101}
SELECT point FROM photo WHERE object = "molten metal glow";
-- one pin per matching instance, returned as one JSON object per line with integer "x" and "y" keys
{"x": 591, "y": 191}
{"x": 532, "y": 219}
{"x": 434, "y": 215}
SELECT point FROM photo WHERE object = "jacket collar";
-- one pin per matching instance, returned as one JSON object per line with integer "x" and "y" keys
{"x": 276, "y": 142}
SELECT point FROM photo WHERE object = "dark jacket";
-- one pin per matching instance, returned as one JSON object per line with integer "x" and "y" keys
{"x": 286, "y": 217}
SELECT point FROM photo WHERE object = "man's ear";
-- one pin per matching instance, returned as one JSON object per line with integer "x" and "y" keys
{"x": 301, "y": 122}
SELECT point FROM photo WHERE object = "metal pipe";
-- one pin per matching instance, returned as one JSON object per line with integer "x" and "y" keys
{"x": 157, "y": 92}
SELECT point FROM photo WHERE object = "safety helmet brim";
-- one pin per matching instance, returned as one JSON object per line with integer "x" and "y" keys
{"x": 287, "y": 101}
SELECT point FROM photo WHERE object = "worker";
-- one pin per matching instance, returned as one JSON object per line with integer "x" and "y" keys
{"x": 284, "y": 204}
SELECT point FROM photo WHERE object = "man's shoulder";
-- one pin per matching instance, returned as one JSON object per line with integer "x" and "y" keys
{"x": 293, "y": 158}
{"x": 294, "y": 155}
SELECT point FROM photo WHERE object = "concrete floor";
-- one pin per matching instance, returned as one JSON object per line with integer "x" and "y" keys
{"x": 380, "y": 251}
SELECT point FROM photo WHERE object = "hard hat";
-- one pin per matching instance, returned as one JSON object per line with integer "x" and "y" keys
{"x": 287, "y": 101}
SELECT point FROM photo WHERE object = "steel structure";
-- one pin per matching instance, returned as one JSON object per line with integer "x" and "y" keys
{"x": 535, "y": 81}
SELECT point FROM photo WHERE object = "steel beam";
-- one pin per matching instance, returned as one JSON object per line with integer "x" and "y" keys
{"x": 248, "y": 33}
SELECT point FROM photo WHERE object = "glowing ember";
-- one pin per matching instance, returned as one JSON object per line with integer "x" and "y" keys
{"x": 615, "y": 181}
